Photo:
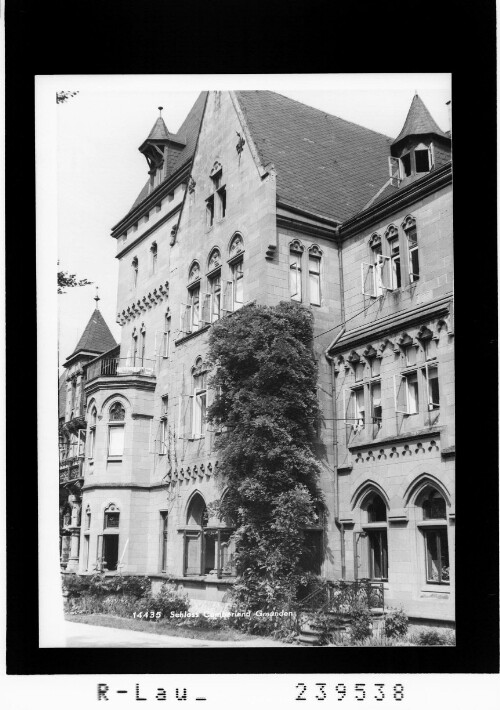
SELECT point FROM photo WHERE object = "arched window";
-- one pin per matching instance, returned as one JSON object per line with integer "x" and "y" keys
{"x": 410, "y": 229}
{"x": 313, "y": 557}
{"x": 117, "y": 412}
{"x": 434, "y": 529}
{"x": 213, "y": 302}
{"x": 315, "y": 255}
{"x": 392, "y": 238}
{"x": 195, "y": 561}
{"x": 371, "y": 554}
{"x": 116, "y": 430}
{"x": 295, "y": 261}
{"x": 108, "y": 542}
{"x": 234, "y": 289}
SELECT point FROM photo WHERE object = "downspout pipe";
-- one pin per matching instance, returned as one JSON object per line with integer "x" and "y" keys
{"x": 336, "y": 449}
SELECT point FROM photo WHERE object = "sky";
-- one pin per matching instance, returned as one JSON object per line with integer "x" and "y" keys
{"x": 89, "y": 169}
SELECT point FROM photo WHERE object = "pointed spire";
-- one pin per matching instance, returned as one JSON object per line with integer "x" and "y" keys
{"x": 159, "y": 132}
{"x": 96, "y": 338}
{"x": 419, "y": 121}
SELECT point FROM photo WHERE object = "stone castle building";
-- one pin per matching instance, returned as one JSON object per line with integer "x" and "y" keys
{"x": 258, "y": 198}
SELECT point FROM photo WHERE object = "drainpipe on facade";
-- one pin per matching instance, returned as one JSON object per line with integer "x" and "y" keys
{"x": 336, "y": 448}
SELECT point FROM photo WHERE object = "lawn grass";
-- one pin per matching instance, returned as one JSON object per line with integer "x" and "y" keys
{"x": 163, "y": 626}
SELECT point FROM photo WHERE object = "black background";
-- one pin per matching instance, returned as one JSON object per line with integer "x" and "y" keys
{"x": 108, "y": 37}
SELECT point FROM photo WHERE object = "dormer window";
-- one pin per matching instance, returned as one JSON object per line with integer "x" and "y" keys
{"x": 406, "y": 165}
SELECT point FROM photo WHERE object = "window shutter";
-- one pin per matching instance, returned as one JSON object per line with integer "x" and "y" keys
{"x": 386, "y": 273}
{"x": 348, "y": 412}
{"x": 431, "y": 155}
{"x": 394, "y": 171}
{"x": 368, "y": 280}
{"x": 185, "y": 324}
{"x": 185, "y": 416}
{"x": 400, "y": 394}
{"x": 207, "y": 308}
{"x": 228, "y": 297}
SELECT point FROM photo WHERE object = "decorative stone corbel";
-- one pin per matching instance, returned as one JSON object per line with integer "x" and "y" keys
{"x": 191, "y": 185}
{"x": 173, "y": 235}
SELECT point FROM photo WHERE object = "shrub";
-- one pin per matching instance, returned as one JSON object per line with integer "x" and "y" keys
{"x": 167, "y": 600}
{"x": 435, "y": 638}
{"x": 99, "y": 585}
{"x": 396, "y": 623}
{"x": 119, "y": 605}
{"x": 361, "y": 621}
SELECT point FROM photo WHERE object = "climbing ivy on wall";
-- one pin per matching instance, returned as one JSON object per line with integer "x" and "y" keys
{"x": 264, "y": 377}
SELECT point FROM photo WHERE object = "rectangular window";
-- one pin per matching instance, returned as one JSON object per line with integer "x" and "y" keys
{"x": 376, "y": 401}
{"x": 237, "y": 274}
{"x": 199, "y": 413}
{"x": 221, "y": 198}
{"x": 375, "y": 366}
{"x": 395, "y": 170}
{"x": 194, "y": 302}
{"x": 395, "y": 263}
{"x": 88, "y": 520}
{"x": 116, "y": 440}
{"x": 377, "y": 548}
{"x": 430, "y": 349}
{"x": 86, "y": 550}
{"x": 359, "y": 408}
{"x": 295, "y": 276}
{"x": 143, "y": 347}
{"x": 134, "y": 350}
{"x": 215, "y": 297}
{"x": 210, "y": 211}
{"x": 192, "y": 553}
{"x": 314, "y": 280}
{"x": 166, "y": 337}
{"x": 422, "y": 161}
{"x": 110, "y": 552}
{"x": 163, "y": 448}
{"x": 412, "y": 383}
{"x": 164, "y": 540}
{"x": 359, "y": 369}
{"x": 431, "y": 375}
{"x": 437, "y": 556}
{"x": 414, "y": 268}
{"x": 91, "y": 442}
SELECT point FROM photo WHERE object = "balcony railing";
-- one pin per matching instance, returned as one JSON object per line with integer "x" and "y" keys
{"x": 116, "y": 367}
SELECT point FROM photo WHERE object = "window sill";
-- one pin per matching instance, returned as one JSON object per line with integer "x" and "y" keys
{"x": 115, "y": 458}
{"x": 188, "y": 336}
{"x": 443, "y": 587}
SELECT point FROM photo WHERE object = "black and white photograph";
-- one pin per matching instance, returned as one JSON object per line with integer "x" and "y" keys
{"x": 255, "y": 362}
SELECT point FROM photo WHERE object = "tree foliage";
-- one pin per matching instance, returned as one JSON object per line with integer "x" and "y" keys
{"x": 65, "y": 280}
{"x": 265, "y": 377}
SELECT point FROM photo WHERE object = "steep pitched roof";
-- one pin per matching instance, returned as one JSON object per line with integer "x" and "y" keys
{"x": 96, "y": 338}
{"x": 159, "y": 130}
{"x": 419, "y": 122}
{"x": 189, "y": 131}
{"x": 324, "y": 164}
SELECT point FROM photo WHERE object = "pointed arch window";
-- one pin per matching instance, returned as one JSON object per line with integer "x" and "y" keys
{"x": 295, "y": 264}
{"x": 199, "y": 394}
{"x": 434, "y": 528}
{"x": 315, "y": 255}
{"x": 410, "y": 229}
{"x": 372, "y": 553}
{"x": 234, "y": 289}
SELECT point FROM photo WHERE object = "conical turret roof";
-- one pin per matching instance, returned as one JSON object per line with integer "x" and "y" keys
{"x": 419, "y": 122}
{"x": 159, "y": 132}
{"x": 96, "y": 338}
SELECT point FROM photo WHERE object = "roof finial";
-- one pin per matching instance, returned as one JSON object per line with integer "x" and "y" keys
{"x": 96, "y": 297}
{"x": 416, "y": 92}
{"x": 160, "y": 109}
